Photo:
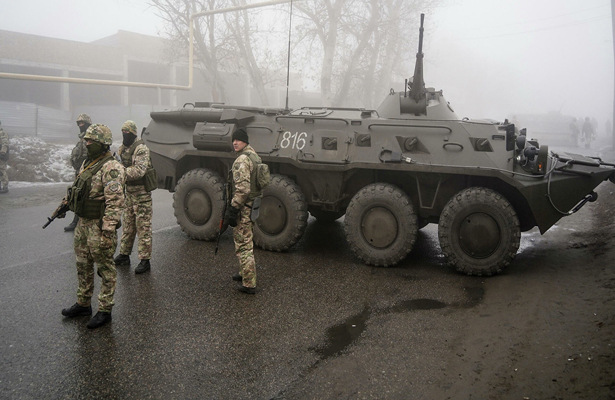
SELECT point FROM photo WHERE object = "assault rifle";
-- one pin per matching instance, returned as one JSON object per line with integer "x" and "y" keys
{"x": 221, "y": 219}
{"x": 60, "y": 212}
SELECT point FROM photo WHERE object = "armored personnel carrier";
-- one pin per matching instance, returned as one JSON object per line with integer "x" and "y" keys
{"x": 390, "y": 171}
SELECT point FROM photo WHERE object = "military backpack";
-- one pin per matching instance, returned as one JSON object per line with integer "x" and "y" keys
{"x": 260, "y": 177}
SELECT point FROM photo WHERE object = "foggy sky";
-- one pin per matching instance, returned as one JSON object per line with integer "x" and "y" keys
{"x": 491, "y": 58}
{"x": 497, "y": 58}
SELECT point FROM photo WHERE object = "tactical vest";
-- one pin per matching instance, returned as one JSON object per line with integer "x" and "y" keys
{"x": 79, "y": 201}
{"x": 254, "y": 190}
{"x": 149, "y": 180}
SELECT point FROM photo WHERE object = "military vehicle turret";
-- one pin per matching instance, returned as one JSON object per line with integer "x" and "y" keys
{"x": 390, "y": 171}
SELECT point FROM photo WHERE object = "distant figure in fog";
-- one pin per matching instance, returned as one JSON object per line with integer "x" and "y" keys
{"x": 608, "y": 128}
{"x": 587, "y": 132}
{"x": 4, "y": 157}
{"x": 574, "y": 132}
{"x": 595, "y": 125}
{"x": 78, "y": 156}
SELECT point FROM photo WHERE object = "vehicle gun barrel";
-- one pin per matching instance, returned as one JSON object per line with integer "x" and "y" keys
{"x": 418, "y": 84}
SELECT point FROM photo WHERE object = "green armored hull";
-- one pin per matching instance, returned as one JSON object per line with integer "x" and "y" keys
{"x": 390, "y": 171}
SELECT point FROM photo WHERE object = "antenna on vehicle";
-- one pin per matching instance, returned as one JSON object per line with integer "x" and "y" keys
{"x": 290, "y": 25}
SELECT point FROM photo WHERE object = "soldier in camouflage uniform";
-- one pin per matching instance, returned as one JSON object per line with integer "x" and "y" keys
{"x": 95, "y": 236}
{"x": 4, "y": 157}
{"x": 137, "y": 218}
{"x": 240, "y": 209}
{"x": 78, "y": 156}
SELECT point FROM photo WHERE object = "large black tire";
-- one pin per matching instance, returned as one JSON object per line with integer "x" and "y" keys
{"x": 479, "y": 232}
{"x": 326, "y": 217}
{"x": 199, "y": 203}
{"x": 283, "y": 215}
{"x": 380, "y": 224}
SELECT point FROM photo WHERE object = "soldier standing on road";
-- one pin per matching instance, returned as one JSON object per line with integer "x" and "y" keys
{"x": 4, "y": 157}
{"x": 588, "y": 132}
{"x": 78, "y": 156}
{"x": 96, "y": 233}
{"x": 242, "y": 197}
{"x": 574, "y": 132}
{"x": 137, "y": 219}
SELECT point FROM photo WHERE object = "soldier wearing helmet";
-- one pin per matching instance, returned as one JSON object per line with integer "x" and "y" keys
{"x": 101, "y": 178}
{"x": 78, "y": 156}
{"x": 137, "y": 217}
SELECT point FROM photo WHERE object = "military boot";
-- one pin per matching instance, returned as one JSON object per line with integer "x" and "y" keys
{"x": 101, "y": 318}
{"x": 237, "y": 278}
{"x": 248, "y": 290}
{"x": 77, "y": 310}
{"x": 71, "y": 227}
{"x": 4, "y": 189}
{"x": 143, "y": 266}
{"x": 122, "y": 259}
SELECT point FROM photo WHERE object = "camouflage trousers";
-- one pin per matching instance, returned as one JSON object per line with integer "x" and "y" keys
{"x": 244, "y": 247}
{"x": 88, "y": 252}
{"x": 4, "y": 176}
{"x": 137, "y": 221}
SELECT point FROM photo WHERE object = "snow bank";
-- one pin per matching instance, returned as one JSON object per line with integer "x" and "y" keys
{"x": 33, "y": 160}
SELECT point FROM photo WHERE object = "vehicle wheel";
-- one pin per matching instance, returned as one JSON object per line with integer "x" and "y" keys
{"x": 198, "y": 203}
{"x": 380, "y": 224}
{"x": 283, "y": 215}
{"x": 326, "y": 216}
{"x": 479, "y": 232}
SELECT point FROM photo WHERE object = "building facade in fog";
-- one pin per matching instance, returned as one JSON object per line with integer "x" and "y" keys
{"x": 49, "y": 109}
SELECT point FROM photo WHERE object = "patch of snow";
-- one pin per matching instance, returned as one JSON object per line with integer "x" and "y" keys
{"x": 21, "y": 184}
{"x": 31, "y": 159}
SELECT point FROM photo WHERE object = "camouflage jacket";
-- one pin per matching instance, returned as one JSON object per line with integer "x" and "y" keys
{"x": 108, "y": 185}
{"x": 242, "y": 171}
{"x": 79, "y": 153}
{"x": 4, "y": 141}
{"x": 135, "y": 167}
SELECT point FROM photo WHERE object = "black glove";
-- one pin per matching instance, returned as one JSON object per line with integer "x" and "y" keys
{"x": 232, "y": 214}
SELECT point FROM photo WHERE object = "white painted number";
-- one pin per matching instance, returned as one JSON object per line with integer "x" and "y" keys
{"x": 295, "y": 141}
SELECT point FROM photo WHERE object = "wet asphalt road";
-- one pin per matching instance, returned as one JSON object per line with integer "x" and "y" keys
{"x": 184, "y": 331}
{"x": 322, "y": 325}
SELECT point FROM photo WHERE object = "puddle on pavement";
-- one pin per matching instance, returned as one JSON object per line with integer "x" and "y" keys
{"x": 340, "y": 336}
{"x": 475, "y": 295}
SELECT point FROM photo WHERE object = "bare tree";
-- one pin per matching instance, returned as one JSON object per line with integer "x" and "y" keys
{"x": 252, "y": 52}
{"x": 222, "y": 43}
{"x": 362, "y": 43}
{"x": 209, "y": 37}
{"x": 353, "y": 47}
